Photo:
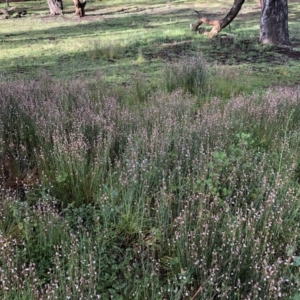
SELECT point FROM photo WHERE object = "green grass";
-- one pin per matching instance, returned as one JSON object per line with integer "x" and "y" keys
{"x": 193, "y": 194}
{"x": 139, "y": 160}
{"x": 113, "y": 34}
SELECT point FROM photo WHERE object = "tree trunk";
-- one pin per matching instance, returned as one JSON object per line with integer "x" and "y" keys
{"x": 79, "y": 7}
{"x": 274, "y": 22}
{"x": 55, "y": 6}
{"x": 218, "y": 25}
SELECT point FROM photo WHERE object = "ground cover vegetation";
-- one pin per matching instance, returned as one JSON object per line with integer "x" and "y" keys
{"x": 140, "y": 160}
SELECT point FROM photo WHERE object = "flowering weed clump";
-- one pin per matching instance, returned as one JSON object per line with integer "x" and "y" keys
{"x": 107, "y": 199}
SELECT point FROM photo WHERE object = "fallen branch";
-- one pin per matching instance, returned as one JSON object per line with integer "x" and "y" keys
{"x": 13, "y": 11}
{"x": 218, "y": 25}
{"x": 4, "y": 12}
{"x": 8, "y": 11}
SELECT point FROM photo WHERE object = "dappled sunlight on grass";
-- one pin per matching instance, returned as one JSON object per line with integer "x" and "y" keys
{"x": 60, "y": 43}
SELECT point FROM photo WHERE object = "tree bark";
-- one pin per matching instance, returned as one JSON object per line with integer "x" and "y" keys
{"x": 274, "y": 22}
{"x": 218, "y": 25}
{"x": 55, "y": 6}
{"x": 79, "y": 7}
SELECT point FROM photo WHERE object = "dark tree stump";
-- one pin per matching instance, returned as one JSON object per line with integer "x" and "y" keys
{"x": 79, "y": 7}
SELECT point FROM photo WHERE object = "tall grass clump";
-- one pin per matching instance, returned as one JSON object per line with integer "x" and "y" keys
{"x": 103, "y": 198}
{"x": 109, "y": 51}
{"x": 226, "y": 82}
{"x": 189, "y": 75}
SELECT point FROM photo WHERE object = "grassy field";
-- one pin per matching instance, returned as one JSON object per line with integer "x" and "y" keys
{"x": 140, "y": 160}
{"x": 119, "y": 39}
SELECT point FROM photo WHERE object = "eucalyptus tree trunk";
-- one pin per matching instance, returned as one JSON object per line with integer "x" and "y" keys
{"x": 274, "y": 22}
{"x": 55, "y": 6}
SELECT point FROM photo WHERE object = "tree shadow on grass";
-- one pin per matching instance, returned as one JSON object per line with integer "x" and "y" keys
{"x": 85, "y": 27}
{"x": 243, "y": 48}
